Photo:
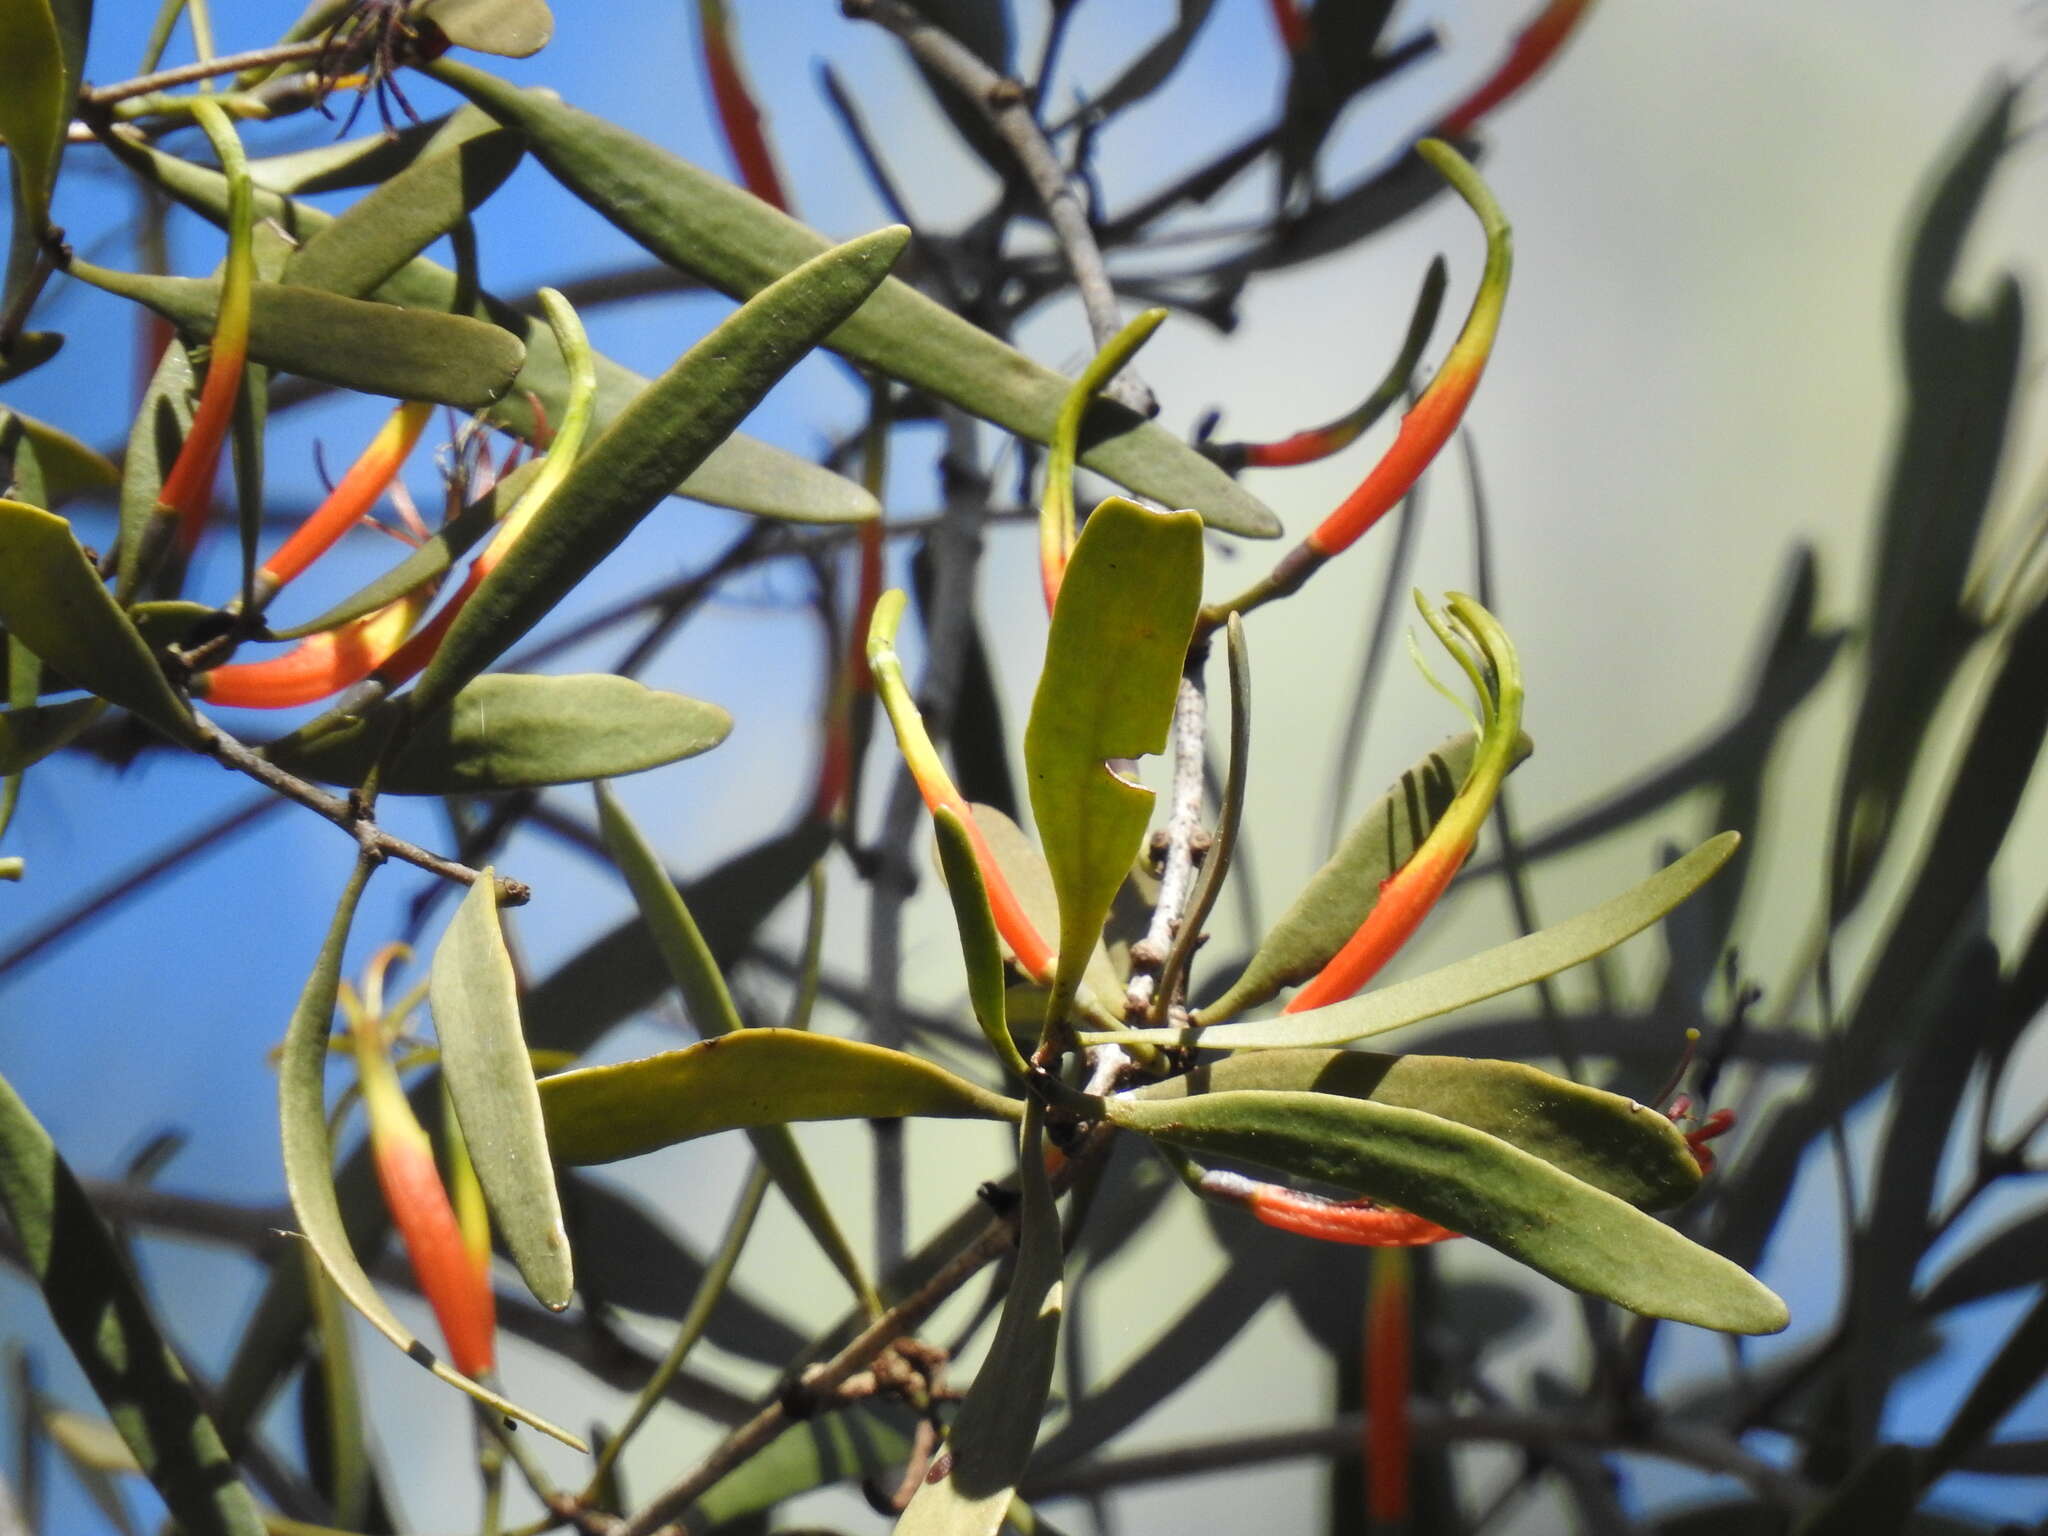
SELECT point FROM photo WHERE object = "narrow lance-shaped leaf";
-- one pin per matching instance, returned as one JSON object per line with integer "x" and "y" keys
{"x": 308, "y": 1163}
{"x": 65, "y": 466}
{"x": 1472, "y": 1183}
{"x": 696, "y": 974}
{"x": 475, "y": 999}
{"x": 107, "y": 1324}
{"x": 968, "y": 1490}
{"x": 1473, "y": 980}
{"x": 1056, "y": 513}
{"x": 661, "y": 437}
{"x": 702, "y": 224}
{"x": 1113, "y": 662}
{"x": 52, "y": 601}
{"x": 35, "y": 108}
{"x": 748, "y": 1080}
{"x": 980, "y": 945}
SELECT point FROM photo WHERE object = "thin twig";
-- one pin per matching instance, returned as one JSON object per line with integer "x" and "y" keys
{"x": 346, "y": 814}
{"x": 1183, "y": 828}
{"x": 205, "y": 69}
{"x": 1007, "y": 106}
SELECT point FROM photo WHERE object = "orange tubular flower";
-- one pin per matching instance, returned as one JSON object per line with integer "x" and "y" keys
{"x": 319, "y": 665}
{"x": 936, "y": 786}
{"x": 1361, "y": 1223}
{"x": 1426, "y": 428}
{"x": 1389, "y": 1371}
{"x": 455, "y": 1286}
{"x": 349, "y": 501}
{"x": 1407, "y": 896}
{"x": 737, "y": 114}
{"x": 1291, "y": 23}
{"x": 1535, "y": 45}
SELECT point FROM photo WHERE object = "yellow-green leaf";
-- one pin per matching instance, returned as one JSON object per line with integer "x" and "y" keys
{"x": 35, "y": 103}
{"x": 68, "y": 467}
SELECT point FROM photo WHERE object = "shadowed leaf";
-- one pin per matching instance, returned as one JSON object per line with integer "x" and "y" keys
{"x": 2014, "y": 1256}
{"x": 162, "y": 419}
{"x": 65, "y": 466}
{"x": 863, "y": 1440}
{"x": 27, "y": 736}
{"x": 30, "y": 351}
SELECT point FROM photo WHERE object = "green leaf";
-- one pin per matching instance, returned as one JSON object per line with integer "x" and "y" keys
{"x": 1113, "y": 659}
{"x": 108, "y": 1326}
{"x": 1031, "y": 883}
{"x": 748, "y": 1080}
{"x": 54, "y": 603}
{"x": 861, "y": 1440}
{"x": 35, "y": 105}
{"x": 1473, "y": 980}
{"x": 378, "y": 349}
{"x": 67, "y": 467}
{"x": 694, "y": 969}
{"x": 1472, "y": 1183}
{"x": 1613, "y": 1143}
{"x": 309, "y": 1157}
{"x": 367, "y": 161}
{"x": 383, "y": 231}
{"x": 703, "y": 224}
{"x": 742, "y": 473}
{"x": 27, "y": 736}
{"x": 30, "y": 351}
{"x": 475, "y": 998}
{"x": 161, "y": 422}
{"x": 512, "y": 29}
{"x": 661, "y": 437}
{"x": 981, "y": 947}
{"x": 1340, "y": 894}
{"x": 512, "y": 731}
{"x": 969, "y": 1487}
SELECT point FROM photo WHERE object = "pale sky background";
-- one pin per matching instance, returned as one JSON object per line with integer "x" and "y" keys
{"x": 1697, "y": 369}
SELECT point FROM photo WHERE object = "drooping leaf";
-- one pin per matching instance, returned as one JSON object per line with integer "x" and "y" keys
{"x": 1498, "y": 970}
{"x": 1613, "y": 1143}
{"x": 309, "y": 1157}
{"x": 514, "y": 731}
{"x": 667, "y": 432}
{"x": 35, "y": 107}
{"x": 377, "y": 349}
{"x": 161, "y": 422}
{"x": 1131, "y": 592}
{"x": 621, "y": 971}
{"x": 108, "y": 1326}
{"x": 1338, "y": 896}
{"x": 968, "y": 1490}
{"x": 748, "y": 1079}
{"x": 742, "y": 473}
{"x": 65, "y": 466}
{"x": 53, "y": 602}
{"x": 29, "y": 735}
{"x": 1474, "y": 1184}
{"x": 512, "y": 29}
{"x": 475, "y": 998}
{"x": 702, "y": 224}
{"x": 366, "y": 245}
{"x": 695, "y": 971}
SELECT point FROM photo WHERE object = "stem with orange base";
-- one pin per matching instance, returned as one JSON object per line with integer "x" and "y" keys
{"x": 1535, "y": 46}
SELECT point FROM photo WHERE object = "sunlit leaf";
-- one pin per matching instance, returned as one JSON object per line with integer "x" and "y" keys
{"x": 378, "y": 349}
{"x": 702, "y": 224}
{"x": 1516, "y": 964}
{"x": 35, "y": 105}
{"x": 980, "y": 945}
{"x": 162, "y": 419}
{"x": 969, "y": 1487}
{"x": 54, "y": 603}
{"x": 108, "y": 1326}
{"x": 475, "y": 998}
{"x": 1474, "y": 1184}
{"x": 1131, "y": 592}
{"x": 751, "y": 1078}
{"x": 513, "y": 29}
{"x": 661, "y": 437}
{"x": 1613, "y": 1143}
{"x": 1031, "y": 883}
{"x": 513, "y": 731}
{"x": 309, "y": 1157}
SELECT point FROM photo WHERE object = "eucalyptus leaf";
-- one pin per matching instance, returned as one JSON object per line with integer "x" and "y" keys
{"x": 704, "y": 225}
{"x": 1474, "y": 1184}
{"x": 67, "y": 467}
{"x": 1613, "y": 1143}
{"x": 513, "y": 731}
{"x": 475, "y": 997}
{"x": 1340, "y": 894}
{"x": 52, "y": 601}
{"x": 107, "y": 1324}
{"x": 746, "y": 1080}
{"x": 309, "y": 1158}
{"x": 1120, "y": 630}
{"x": 667, "y": 432}
{"x": 1473, "y": 980}
{"x": 383, "y": 231}
{"x": 377, "y": 349}
{"x": 968, "y": 1489}
{"x": 742, "y": 472}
